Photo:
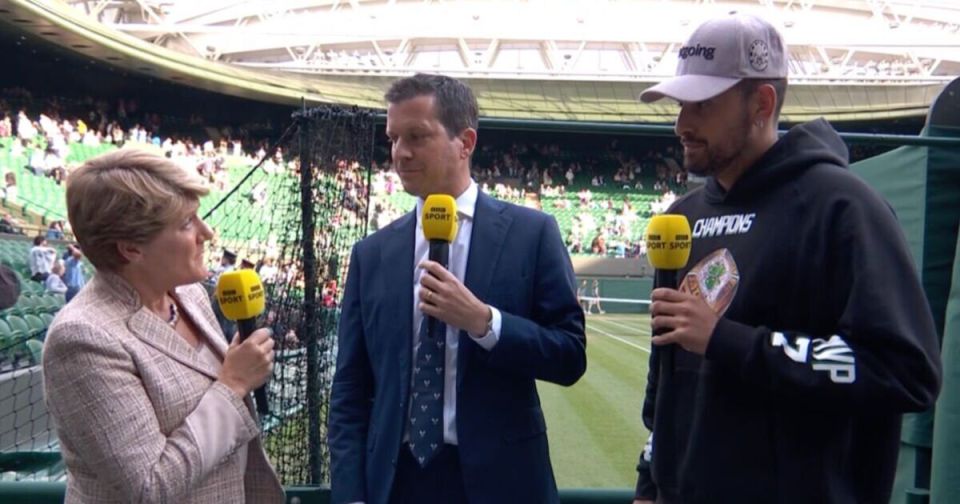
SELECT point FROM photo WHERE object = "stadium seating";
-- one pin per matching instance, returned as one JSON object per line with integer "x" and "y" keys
{"x": 23, "y": 326}
{"x": 41, "y": 196}
{"x": 40, "y": 200}
{"x": 43, "y": 200}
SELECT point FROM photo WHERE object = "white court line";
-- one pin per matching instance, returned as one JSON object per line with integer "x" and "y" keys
{"x": 624, "y": 326}
{"x": 621, "y": 340}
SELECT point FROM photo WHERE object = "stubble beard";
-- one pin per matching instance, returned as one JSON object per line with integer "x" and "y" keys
{"x": 720, "y": 157}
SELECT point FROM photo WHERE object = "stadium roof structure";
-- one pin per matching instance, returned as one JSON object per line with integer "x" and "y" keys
{"x": 584, "y": 60}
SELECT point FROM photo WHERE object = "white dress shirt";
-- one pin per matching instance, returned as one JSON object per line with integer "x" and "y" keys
{"x": 459, "y": 252}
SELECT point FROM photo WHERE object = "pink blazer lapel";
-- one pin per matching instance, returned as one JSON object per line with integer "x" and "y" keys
{"x": 154, "y": 332}
{"x": 203, "y": 319}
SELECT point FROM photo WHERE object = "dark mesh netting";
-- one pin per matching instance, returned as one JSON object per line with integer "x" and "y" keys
{"x": 295, "y": 227}
{"x": 264, "y": 221}
{"x": 28, "y": 443}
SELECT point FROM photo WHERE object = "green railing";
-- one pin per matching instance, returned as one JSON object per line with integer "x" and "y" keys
{"x": 28, "y": 492}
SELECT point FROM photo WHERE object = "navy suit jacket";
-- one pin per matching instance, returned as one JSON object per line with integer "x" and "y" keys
{"x": 518, "y": 264}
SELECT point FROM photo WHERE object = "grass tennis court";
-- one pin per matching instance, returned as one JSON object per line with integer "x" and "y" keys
{"x": 594, "y": 427}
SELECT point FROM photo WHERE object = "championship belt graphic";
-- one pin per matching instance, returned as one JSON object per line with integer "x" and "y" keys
{"x": 715, "y": 279}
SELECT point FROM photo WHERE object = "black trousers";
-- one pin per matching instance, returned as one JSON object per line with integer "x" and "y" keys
{"x": 440, "y": 482}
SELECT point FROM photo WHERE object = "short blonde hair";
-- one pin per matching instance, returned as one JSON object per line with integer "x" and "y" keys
{"x": 126, "y": 195}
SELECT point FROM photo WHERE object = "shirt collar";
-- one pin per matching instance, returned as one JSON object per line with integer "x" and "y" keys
{"x": 466, "y": 203}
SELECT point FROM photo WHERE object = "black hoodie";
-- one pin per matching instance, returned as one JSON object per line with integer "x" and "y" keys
{"x": 825, "y": 339}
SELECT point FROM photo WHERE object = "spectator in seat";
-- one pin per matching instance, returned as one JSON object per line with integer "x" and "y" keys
{"x": 37, "y": 163}
{"x": 268, "y": 270}
{"x": 53, "y": 165}
{"x": 10, "y": 225}
{"x": 55, "y": 231}
{"x": 10, "y": 187}
{"x": 73, "y": 275}
{"x": 41, "y": 259}
{"x": 54, "y": 282}
{"x": 6, "y": 127}
{"x": 599, "y": 244}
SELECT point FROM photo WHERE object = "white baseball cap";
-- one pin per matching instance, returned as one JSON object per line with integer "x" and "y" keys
{"x": 721, "y": 53}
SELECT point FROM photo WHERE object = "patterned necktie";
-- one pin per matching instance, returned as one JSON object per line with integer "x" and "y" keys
{"x": 426, "y": 412}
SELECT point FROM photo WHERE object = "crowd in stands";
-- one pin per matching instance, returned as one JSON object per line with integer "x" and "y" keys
{"x": 547, "y": 168}
{"x": 41, "y": 130}
{"x": 59, "y": 275}
{"x": 591, "y": 183}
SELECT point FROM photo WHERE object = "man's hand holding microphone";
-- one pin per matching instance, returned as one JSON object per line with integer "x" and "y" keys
{"x": 676, "y": 317}
{"x": 668, "y": 250}
{"x": 442, "y": 296}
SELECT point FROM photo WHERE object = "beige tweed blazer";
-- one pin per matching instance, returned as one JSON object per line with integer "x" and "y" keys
{"x": 139, "y": 413}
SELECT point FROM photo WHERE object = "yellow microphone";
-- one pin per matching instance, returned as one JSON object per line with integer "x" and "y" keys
{"x": 440, "y": 225}
{"x": 440, "y": 217}
{"x": 240, "y": 294}
{"x": 668, "y": 249}
{"x": 439, "y": 228}
{"x": 241, "y": 298}
{"x": 668, "y": 245}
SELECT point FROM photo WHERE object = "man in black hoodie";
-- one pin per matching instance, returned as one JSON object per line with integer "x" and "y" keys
{"x": 800, "y": 332}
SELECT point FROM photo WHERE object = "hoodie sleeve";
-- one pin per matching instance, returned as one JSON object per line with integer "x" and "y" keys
{"x": 882, "y": 351}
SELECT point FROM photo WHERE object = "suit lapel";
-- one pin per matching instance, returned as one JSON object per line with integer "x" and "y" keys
{"x": 490, "y": 227}
{"x": 396, "y": 265}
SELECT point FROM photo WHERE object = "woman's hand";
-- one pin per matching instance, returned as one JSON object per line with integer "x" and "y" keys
{"x": 247, "y": 365}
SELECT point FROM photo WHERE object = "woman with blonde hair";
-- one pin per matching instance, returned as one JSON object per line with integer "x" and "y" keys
{"x": 54, "y": 281}
{"x": 151, "y": 403}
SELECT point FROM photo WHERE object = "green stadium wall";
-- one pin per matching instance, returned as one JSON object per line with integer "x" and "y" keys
{"x": 922, "y": 185}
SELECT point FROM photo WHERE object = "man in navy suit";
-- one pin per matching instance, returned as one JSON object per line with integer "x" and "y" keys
{"x": 510, "y": 316}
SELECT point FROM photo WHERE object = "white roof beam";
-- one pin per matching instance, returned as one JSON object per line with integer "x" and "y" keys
{"x": 401, "y": 55}
{"x": 490, "y": 55}
{"x": 208, "y": 11}
{"x": 382, "y": 58}
{"x": 934, "y": 66}
{"x": 546, "y": 55}
{"x": 576, "y": 56}
{"x": 150, "y": 12}
{"x": 571, "y": 38}
{"x": 263, "y": 33}
{"x": 628, "y": 51}
{"x": 464, "y": 52}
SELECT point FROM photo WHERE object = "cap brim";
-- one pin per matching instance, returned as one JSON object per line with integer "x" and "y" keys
{"x": 689, "y": 88}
